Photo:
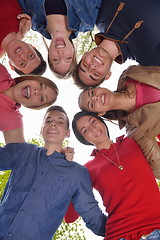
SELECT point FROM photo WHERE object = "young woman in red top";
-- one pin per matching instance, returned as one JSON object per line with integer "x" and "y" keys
{"x": 123, "y": 177}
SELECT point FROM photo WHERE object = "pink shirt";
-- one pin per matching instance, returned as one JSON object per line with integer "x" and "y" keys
{"x": 9, "y": 9}
{"x": 145, "y": 93}
{"x": 10, "y": 117}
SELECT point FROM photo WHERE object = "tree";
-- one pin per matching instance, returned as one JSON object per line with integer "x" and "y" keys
{"x": 66, "y": 231}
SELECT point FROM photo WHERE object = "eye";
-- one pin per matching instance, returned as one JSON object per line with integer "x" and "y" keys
{"x": 31, "y": 56}
{"x": 68, "y": 58}
{"x": 92, "y": 93}
{"x": 22, "y": 64}
{"x": 48, "y": 122}
{"x": 85, "y": 65}
{"x": 42, "y": 99}
{"x": 55, "y": 59}
{"x": 96, "y": 74}
{"x": 92, "y": 105}
{"x": 84, "y": 131}
{"x": 61, "y": 122}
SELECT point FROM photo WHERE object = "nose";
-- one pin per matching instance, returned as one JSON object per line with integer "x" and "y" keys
{"x": 95, "y": 98}
{"x": 60, "y": 53}
{"x": 52, "y": 123}
{"x": 92, "y": 67}
{"x": 24, "y": 56}
{"x": 37, "y": 91}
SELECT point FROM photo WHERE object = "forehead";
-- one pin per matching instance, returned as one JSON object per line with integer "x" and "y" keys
{"x": 83, "y": 121}
{"x": 56, "y": 115}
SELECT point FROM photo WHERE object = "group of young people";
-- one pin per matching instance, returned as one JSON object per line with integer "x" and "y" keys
{"x": 46, "y": 185}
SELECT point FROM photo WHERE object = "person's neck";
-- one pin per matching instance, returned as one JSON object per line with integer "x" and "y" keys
{"x": 122, "y": 101}
{"x": 110, "y": 47}
{"x": 104, "y": 145}
{"x": 52, "y": 147}
{"x": 11, "y": 36}
{"x": 10, "y": 93}
{"x": 57, "y": 23}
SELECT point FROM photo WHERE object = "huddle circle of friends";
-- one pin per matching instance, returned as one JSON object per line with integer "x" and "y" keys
{"x": 83, "y": 43}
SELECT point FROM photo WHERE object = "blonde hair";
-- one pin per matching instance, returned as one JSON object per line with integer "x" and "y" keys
{"x": 72, "y": 67}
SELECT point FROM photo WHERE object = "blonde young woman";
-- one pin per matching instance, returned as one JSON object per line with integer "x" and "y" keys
{"x": 31, "y": 91}
{"x": 135, "y": 103}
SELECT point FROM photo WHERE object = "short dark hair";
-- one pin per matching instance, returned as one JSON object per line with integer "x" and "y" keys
{"x": 76, "y": 131}
{"x": 60, "y": 109}
{"x": 37, "y": 71}
{"x": 78, "y": 82}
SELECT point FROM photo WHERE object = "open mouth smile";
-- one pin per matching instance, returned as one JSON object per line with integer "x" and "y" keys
{"x": 60, "y": 43}
{"x": 98, "y": 60}
{"x": 27, "y": 92}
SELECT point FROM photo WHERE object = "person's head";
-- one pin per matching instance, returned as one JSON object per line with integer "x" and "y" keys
{"x": 55, "y": 127}
{"x": 98, "y": 100}
{"x": 34, "y": 91}
{"x": 24, "y": 58}
{"x": 62, "y": 57}
{"x": 93, "y": 68}
{"x": 90, "y": 129}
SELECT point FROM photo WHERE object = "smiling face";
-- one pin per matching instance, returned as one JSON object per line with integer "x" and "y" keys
{"x": 95, "y": 66}
{"x": 22, "y": 56}
{"x": 55, "y": 128}
{"x": 96, "y": 100}
{"x": 61, "y": 54}
{"x": 93, "y": 130}
{"x": 32, "y": 93}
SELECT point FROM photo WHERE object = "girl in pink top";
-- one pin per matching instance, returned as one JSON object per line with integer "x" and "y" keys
{"x": 31, "y": 91}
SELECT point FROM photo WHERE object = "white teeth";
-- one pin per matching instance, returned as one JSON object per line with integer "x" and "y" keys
{"x": 98, "y": 60}
{"x": 18, "y": 49}
{"x": 52, "y": 131}
{"x": 60, "y": 46}
{"x": 98, "y": 133}
{"x": 103, "y": 99}
{"x": 28, "y": 92}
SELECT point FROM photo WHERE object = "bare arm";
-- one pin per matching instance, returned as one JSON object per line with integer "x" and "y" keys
{"x": 14, "y": 136}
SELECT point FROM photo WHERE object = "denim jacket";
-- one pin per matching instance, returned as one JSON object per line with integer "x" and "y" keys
{"x": 81, "y": 15}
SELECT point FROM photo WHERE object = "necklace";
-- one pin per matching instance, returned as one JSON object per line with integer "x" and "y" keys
{"x": 120, "y": 165}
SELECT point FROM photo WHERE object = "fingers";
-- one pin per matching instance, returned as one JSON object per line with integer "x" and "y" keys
{"x": 24, "y": 15}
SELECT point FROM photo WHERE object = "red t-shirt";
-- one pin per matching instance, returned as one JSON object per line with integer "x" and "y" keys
{"x": 10, "y": 117}
{"x": 131, "y": 196}
{"x": 9, "y": 9}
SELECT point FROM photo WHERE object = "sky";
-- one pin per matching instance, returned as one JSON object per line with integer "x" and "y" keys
{"x": 68, "y": 99}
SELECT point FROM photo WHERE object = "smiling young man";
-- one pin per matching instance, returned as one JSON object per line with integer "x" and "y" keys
{"x": 43, "y": 183}
{"x": 23, "y": 57}
{"x": 125, "y": 33}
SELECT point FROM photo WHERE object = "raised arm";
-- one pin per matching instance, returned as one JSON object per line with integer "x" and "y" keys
{"x": 14, "y": 136}
{"x": 87, "y": 207}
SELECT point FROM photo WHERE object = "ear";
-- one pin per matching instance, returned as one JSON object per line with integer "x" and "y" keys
{"x": 108, "y": 75}
{"x": 68, "y": 133}
{"x": 101, "y": 114}
{"x": 41, "y": 131}
{"x": 12, "y": 67}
